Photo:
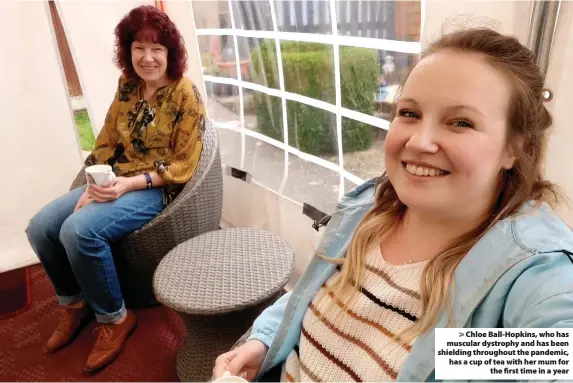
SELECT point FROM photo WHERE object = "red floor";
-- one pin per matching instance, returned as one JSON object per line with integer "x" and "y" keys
{"x": 149, "y": 354}
{"x": 14, "y": 294}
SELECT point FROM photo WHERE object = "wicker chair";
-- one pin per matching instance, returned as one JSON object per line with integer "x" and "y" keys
{"x": 196, "y": 210}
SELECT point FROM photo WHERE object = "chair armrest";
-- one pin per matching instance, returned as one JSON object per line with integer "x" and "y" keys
{"x": 80, "y": 179}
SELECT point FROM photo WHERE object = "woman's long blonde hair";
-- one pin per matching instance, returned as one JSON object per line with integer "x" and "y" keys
{"x": 528, "y": 123}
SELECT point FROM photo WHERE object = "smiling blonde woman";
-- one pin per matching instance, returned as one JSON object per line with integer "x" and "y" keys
{"x": 457, "y": 232}
{"x": 152, "y": 138}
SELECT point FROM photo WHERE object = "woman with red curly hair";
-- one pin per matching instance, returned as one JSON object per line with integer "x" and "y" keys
{"x": 152, "y": 139}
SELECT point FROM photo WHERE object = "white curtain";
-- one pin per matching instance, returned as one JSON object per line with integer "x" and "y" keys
{"x": 89, "y": 27}
{"x": 40, "y": 152}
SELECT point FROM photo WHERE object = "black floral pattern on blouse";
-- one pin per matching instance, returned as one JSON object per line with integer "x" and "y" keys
{"x": 178, "y": 117}
{"x": 160, "y": 95}
{"x": 138, "y": 118}
{"x": 118, "y": 157}
{"x": 126, "y": 90}
{"x": 197, "y": 94}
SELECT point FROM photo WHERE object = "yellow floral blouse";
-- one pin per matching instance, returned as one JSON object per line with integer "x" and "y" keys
{"x": 164, "y": 134}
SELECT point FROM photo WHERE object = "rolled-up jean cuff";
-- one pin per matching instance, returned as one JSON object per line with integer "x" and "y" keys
{"x": 111, "y": 317}
{"x": 70, "y": 300}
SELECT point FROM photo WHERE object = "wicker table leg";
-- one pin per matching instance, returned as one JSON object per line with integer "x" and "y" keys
{"x": 208, "y": 336}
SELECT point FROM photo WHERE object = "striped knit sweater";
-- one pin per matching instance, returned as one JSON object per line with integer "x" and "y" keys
{"x": 357, "y": 345}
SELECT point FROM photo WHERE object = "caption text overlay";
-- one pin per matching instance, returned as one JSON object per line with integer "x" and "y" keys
{"x": 488, "y": 354}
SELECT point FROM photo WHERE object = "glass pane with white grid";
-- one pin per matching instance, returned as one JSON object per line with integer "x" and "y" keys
{"x": 379, "y": 19}
{"x": 265, "y": 162}
{"x": 312, "y": 183}
{"x": 370, "y": 79}
{"x": 211, "y": 14}
{"x": 348, "y": 185}
{"x": 308, "y": 69}
{"x": 363, "y": 148}
{"x": 263, "y": 114}
{"x": 312, "y": 130}
{"x": 252, "y": 15}
{"x": 218, "y": 55}
{"x": 321, "y": 91}
{"x": 258, "y": 57}
{"x": 230, "y": 146}
{"x": 223, "y": 105}
{"x": 303, "y": 16}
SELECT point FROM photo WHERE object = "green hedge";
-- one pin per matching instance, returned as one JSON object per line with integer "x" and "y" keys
{"x": 309, "y": 71}
{"x": 85, "y": 132}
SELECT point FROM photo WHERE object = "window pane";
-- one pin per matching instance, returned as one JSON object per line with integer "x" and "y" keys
{"x": 265, "y": 162}
{"x": 211, "y": 14}
{"x": 230, "y": 146}
{"x": 258, "y": 57}
{"x": 253, "y": 15}
{"x": 223, "y": 104}
{"x": 381, "y": 19}
{"x": 303, "y": 16}
{"x": 348, "y": 185}
{"x": 370, "y": 79}
{"x": 311, "y": 183}
{"x": 309, "y": 69}
{"x": 263, "y": 114}
{"x": 312, "y": 130}
{"x": 408, "y": 17}
{"x": 363, "y": 148}
{"x": 218, "y": 55}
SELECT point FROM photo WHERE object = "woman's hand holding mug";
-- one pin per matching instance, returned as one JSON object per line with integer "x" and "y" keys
{"x": 99, "y": 175}
{"x": 104, "y": 186}
{"x": 110, "y": 191}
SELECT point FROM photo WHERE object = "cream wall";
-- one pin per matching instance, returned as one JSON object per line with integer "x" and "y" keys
{"x": 559, "y": 80}
{"x": 40, "y": 153}
{"x": 89, "y": 27}
{"x": 510, "y": 17}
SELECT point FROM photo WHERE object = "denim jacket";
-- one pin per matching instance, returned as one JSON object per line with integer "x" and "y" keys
{"x": 520, "y": 274}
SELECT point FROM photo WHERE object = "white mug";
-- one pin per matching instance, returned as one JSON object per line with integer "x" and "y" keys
{"x": 227, "y": 377}
{"x": 100, "y": 175}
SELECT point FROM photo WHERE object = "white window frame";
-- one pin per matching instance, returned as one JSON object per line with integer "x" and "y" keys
{"x": 332, "y": 39}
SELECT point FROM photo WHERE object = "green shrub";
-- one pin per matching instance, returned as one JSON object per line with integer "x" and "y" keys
{"x": 85, "y": 132}
{"x": 308, "y": 70}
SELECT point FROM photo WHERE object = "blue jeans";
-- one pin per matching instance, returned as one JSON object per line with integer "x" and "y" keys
{"x": 74, "y": 248}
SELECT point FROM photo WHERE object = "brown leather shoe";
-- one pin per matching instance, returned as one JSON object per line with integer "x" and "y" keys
{"x": 109, "y": 342}
{"x": 71, "y": 322}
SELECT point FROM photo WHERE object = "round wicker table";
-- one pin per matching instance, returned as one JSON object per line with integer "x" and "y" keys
{"x": 219, "y": 282}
